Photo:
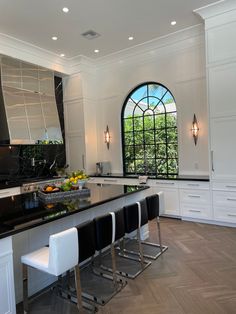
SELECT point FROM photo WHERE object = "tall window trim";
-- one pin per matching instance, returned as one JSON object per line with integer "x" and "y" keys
{"x": 156, "y": 158}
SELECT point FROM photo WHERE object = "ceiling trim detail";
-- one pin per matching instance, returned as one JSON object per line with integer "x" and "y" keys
{"x": 24, "y": 51}
{"x": 216, "y": 8}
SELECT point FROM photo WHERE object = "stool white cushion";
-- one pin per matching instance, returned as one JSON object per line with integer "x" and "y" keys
{"x": 37, "y": 259}
{"x": 61, "y": 255}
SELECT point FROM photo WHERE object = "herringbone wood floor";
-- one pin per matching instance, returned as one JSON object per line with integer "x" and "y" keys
{"x": 196, "y": 275}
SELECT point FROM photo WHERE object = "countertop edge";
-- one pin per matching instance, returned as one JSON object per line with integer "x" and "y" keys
{"x": 120, "y": 176}
{"x": 34, "y": 225}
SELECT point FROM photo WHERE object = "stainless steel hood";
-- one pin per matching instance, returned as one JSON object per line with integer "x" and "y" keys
{"x": 28, "y": 110}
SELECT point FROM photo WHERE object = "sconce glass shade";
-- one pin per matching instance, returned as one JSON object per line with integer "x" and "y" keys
{"x": 107, "y": 137}
{"x": 195, "y": 129}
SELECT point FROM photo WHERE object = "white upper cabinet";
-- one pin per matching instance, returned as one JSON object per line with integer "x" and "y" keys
{"x": 222, "y": 91}
{"x": 223, "y": 148}
{"x": 221, "y": 47}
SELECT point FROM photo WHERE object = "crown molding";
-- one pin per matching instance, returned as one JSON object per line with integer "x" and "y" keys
{"x": 148, "y": 49}
{"x": 24, "y": 51}
{"x": 71, "y": 66}
{"x": 80, "y": 64}
{"x": 216, "y": 8}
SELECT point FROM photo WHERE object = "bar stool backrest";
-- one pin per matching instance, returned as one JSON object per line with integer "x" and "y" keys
{"x": 86, "y": 238}
{"x": 63, "y": 251}
{"x": 131, "y": 215}
{"x": 119, "y": 224}
{"x": 144, "y": 213}
{"x": 152, "y": 206}
{"x": 103, "y": 231}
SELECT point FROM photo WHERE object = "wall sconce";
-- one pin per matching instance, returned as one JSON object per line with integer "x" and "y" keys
{"x": 195, "y": 129}
{"x": 107, "y": 137}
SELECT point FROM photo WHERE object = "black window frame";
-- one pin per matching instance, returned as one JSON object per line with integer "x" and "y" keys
{"x": 156, "y": 158}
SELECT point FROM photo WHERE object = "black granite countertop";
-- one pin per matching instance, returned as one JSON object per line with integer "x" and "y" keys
{"x": 26, "y": 211}
{"x": 133, "y": 176}
{"x": 7, "y": 182}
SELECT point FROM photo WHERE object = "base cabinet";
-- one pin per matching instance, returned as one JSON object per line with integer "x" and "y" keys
{"x": 224, "y": 201}
{"x": 195, "y": 200}
{"x": 7, "y": 289}
{"x": 170, "y": 196}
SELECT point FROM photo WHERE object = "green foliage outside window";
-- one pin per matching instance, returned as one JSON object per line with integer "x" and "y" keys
{"x": 150, "y": 138}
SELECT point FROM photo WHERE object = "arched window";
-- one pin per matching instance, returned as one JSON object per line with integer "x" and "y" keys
{"x": 149, "y": 131}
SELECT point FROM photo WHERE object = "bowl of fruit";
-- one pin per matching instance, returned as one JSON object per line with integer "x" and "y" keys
{"x": 78, "y": 179}
{"x": 51, "y": 188}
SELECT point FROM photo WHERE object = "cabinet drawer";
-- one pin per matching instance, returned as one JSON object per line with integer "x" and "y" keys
{"x": 194, "y": 185}
{"x": 196, "y": 211}
{"x": 194, "y": 196}
{"x": 227, "y": 199}
{"x": 10, "y": 192}
{"x": 224, "y": 186}
{"x": 225, "y": 214}
{"x": 163, "y": 183}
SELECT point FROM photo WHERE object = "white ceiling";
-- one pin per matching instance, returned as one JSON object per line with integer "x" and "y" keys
{"x": 36, "y": 21}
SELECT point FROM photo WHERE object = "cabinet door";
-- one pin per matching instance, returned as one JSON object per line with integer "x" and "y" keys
{"x": 171, "y": 201}
{"x": 222, "y": 91}
{"x": 75, "y": 148}
{"x": 7, "y": 289}
{"x": 223, "y": 148}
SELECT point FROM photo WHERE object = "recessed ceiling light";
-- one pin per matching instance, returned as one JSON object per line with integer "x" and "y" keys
{"x": 131, "y": 38}
{"x": 62, "y": 55}
{"x": 54, "y": 37}
{"x": 65, "y": 10}
{"x": 173, "y": 23}
{"x": 96, "y": 51}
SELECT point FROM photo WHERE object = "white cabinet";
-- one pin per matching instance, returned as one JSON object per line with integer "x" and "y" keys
{"x": 170, "y": 193}
{"x": 195, "y": 200}
{"x": 222, "y": 91}
{"x": 7, "y": 289}
{"x": 221, "y": 77}
{"x": 10, "y": 192}
{"x": 223, "y": 148}
{"x": 113, "y": 180}
{"x": 224, "y": 202}
{"x": 80, "y": 122}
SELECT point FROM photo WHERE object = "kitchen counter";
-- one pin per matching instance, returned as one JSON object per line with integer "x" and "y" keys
{"x": 133, "y": 176}
{"x": 26, "y": 211}
{"x": 7, "y": 182}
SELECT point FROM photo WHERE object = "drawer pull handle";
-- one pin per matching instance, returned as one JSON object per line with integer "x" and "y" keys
{"x": 194, "y": 211}
{"x": 167, "y": 183}
{"x": 4, "y": 193}
{"x": 193, "y": 184}
{"x": 231, "y": 199}
{"x": 231, "y": 186}
{"x": 194, "y": 196}
{"x": 110, "y": 180}
{"x": 232, "y": 215}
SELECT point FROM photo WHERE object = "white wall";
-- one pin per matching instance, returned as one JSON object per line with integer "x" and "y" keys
{"x": 97, "y": 89}
{"x": 178, "y": 62}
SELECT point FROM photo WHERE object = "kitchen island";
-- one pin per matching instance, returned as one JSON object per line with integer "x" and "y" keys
{"x": 26, "y": 224}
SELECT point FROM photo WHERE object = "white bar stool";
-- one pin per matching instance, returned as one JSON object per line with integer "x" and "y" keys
{"x": 61, "y": 255}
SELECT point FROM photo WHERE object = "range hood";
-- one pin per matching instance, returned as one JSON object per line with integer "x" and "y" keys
{"x": 28, "y": 110}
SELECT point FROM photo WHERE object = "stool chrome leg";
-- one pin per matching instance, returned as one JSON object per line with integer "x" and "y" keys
{"x": 78, "y": 289}
{"x": 159, "y": 233}
{"x": 25, "y": 289}
{"x": 140, "y": 248}
{"x": 113, "y": 258}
